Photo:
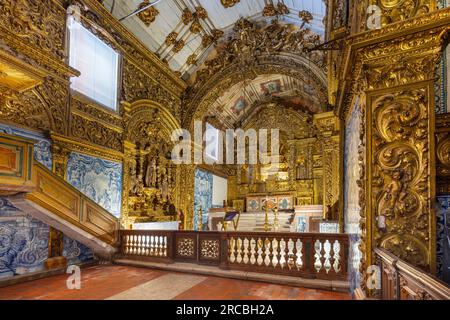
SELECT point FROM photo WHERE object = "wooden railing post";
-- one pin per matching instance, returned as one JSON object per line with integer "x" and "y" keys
{"x": 224, "y": 250}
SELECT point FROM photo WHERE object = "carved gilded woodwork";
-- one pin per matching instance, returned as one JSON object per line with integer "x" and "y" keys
{"x": 151, "y": 180}
{"x": 178, "y": 46}
{"x": 443, "y": 153}
{"x": 399, "y": 10}
{"x": 304, "y": 143}
{"x": 91, "y": 111}
{"x": 192, "y": 60}
{"x": 229, "y": 3}
{"x": 400, "y": 157}
{"x": 96, "y": 133}
{"x": 171, "y": 38}
{"x": 17, "y": 75}
{"x": 42, "y": 108}
{"x": 138, "y": 86}
{"x": 149, "y": 15}
{"x": 251, "y": 51}
{"x": 271, "y": 10}
{"x": 395, "y": 66}
{"x": 68, "y": 144}
{"x": 36, "y": 23}
{"x": 60, "y": 157}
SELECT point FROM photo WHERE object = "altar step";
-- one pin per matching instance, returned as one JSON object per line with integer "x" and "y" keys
{"x": 255, "y": 221}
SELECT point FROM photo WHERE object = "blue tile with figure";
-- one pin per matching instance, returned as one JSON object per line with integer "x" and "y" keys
{"x": 99, "y": 179}
{"x": 24, "y": 243}
{"x": 203, "y": 194}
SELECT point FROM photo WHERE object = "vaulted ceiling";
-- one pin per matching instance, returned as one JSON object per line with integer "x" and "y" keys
{"x": 245, "y": 99}
{"x": 183, "y": 32}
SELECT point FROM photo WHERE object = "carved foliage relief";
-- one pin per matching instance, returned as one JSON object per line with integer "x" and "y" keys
{"x": 400, "y": 190}
{"x": 35, "y": 23}
{"x": 42, "y": 108}
{"x": 399, "y": 10}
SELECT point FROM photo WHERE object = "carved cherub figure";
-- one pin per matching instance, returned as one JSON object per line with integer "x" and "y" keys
{"x": 395, "y": 193}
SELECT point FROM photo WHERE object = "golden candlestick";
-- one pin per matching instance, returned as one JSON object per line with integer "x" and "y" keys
{"x": 276, "y": 223}
{"x": 200, "y": 219}
{"x": 266, "y": 219}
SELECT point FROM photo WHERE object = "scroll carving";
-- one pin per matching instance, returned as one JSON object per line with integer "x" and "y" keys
{"x": 43, "y": 108}
{"x": 40, "y": 25}
{"x": 96, "y": 133}
{"x": 400, "y": 153}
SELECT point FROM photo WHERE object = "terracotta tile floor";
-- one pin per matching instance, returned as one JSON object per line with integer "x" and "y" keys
{"x": 101, "y": 282}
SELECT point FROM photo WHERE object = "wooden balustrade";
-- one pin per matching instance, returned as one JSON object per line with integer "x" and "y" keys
{"x": 402, "y": 281}
{"x": 308, "y": 255}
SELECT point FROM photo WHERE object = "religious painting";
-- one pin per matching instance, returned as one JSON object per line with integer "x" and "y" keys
{"x": 271, "y": 87}
{"x": 239, "y": 106}
{"x": 253, "y": 204}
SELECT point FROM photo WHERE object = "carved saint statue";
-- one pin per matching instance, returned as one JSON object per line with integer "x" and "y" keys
{"x": 133, "y": 178}
{"x": 301, "y": 171}
{"x": 150, "y": 173}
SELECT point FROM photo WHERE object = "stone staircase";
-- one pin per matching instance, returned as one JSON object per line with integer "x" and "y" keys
{"x": 255, "y": 221}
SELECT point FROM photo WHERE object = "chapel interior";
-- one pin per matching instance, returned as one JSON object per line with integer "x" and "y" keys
{"x": 193, "y": 142}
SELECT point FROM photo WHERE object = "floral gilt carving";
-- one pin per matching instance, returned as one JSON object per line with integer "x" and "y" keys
{"x": 400, "y": 149}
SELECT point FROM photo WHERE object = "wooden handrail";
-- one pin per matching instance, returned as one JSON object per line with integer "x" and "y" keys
{"x": 403, "y": 281}
{"x": 310, "y": 255}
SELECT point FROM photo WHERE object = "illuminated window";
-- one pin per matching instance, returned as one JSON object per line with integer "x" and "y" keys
{"x": 98, "y": 64}
{"x": 212, "y": 142}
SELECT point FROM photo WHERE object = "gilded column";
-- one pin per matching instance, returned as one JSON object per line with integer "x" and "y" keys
{"x": 328, "y": 125}
{"x": 129, "y": 181}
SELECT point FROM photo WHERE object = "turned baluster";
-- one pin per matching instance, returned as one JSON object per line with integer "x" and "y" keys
{"x": 133, "y": 244}
{"x": 245, "y": 250}
{"x": 263, "y": 254}
{"x": 294, "y": 254}
{"x": 278, "y": 253}
{"x": 286, "y": 253}
{"x": 242, "y": 253}
{"x": 159, "y": 247}
{"x": 271, "y": 252}
{"x": 332, "y": 259}
{"x": 144, "y": 245}
{"x": 322, "y": 256}
{"x": 253, "y": 250}
{"x": 164, "y": 246}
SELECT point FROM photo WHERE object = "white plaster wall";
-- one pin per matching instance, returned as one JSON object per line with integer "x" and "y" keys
{"x": 220, "y": 188}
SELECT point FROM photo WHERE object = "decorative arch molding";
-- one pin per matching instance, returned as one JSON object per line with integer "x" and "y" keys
{"x": 254, "y": 49}
{"x": 287, "y": 64}
{"x": 148, "y": 112}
